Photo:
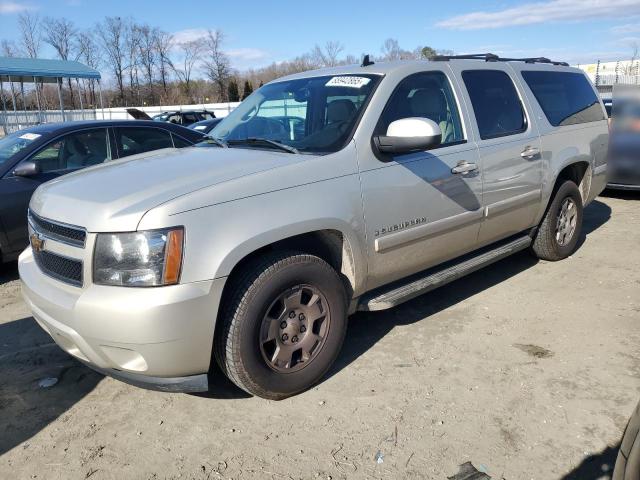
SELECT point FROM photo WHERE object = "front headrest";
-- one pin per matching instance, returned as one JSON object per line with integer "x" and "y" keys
{"x": 429, "y": 102}
{"x": 340, "y": 111}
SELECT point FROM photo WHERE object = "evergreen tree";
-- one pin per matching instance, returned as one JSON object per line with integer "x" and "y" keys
{"x": 232, "y": 91}
{"x": 248, "y": 89}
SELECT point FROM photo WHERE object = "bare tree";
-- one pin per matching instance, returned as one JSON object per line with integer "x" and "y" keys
{"x": 132, "y": 43}
{"x": 8, "y": 48}
{"x": 61, "y": 34}
{"x": 190, "y": 52}
{"x": 391, "y": 51}
{"x": 30, "y": 34}
{"x": 327, "y": 56}
{"x": 216, "y": 62}
{"x": 163, "y": 43}
{"x": 90, "y": 55}
{"x": 112, "y": 36}
{"x": 147, "y": 54}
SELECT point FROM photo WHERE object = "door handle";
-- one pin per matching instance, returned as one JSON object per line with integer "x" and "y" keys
{"x": 530, "y": 152}
{"x": 464, "y": 167}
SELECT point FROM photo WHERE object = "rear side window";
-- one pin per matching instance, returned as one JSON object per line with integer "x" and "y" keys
{"x": 139, "y": 140}
{"x": 566, "y": 98}
{"x": 495, "y": 102}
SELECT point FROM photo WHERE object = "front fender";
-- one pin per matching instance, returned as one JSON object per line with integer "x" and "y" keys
{"x": 218, "y": 237}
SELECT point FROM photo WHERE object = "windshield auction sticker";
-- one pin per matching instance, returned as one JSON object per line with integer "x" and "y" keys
{"x": 30, "y": 136}
{"x": 353, "y": 82}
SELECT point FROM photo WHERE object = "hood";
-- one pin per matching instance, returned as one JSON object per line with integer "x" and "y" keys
{"x": 114, "y": 196}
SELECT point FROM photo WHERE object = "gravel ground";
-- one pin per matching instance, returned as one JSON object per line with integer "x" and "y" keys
{"x": 527, "y": 369}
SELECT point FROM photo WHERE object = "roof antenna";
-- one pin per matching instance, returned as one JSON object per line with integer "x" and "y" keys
{"x": 366, "y": 61}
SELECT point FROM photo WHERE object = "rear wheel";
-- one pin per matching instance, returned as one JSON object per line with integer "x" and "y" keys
{"x": 283, "y": 325}
{"x": 560, "y": 229}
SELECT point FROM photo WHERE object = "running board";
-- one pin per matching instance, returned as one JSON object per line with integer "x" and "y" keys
{"x": 398, "y": 294}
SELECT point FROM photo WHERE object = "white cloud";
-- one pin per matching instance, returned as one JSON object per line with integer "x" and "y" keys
{"x": 7, "y": 8}
{"x": 247, "y": 54}
{"x": 627, "y": 29}
{"x": 189, "y": 35}
{"x": 543, "y": 12}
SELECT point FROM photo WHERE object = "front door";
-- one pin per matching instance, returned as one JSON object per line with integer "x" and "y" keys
{"x": 421, "y": 208}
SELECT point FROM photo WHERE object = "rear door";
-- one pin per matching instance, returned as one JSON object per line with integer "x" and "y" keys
{"x": 509, "y": 147}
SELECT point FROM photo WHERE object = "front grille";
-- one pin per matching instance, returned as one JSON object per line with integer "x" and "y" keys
{"x": 61, "y": 268}
{"x": 68, "y": 234}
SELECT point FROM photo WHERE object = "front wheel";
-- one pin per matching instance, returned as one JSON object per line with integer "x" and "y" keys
{"x": 559, "y": 232}
{"x": 283, "y": 325}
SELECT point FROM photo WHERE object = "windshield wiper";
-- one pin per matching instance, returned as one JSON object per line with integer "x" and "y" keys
{"x": 264, "y": 142}
{"x": 215, "y": 141}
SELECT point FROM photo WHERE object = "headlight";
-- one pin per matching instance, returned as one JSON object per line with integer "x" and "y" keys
{"x": 138, "y": 259}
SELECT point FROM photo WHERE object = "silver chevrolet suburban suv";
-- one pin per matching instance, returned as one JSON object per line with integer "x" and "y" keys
{"x": 323, "y": 193}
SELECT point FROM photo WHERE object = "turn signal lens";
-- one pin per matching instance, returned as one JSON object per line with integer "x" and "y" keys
{"x": 173, "y": 259}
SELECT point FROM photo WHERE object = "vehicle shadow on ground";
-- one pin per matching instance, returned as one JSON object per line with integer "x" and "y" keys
{"x": 621, "y": 194}
{"x": 595, "y": 467}
{"x": 366, "y": 329}
{"x": 27, "y": 356}
{"x": 8, "y": 272}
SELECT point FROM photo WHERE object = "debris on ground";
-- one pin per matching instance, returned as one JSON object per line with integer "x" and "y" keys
{"x": 47, "y": 382}
{"x": 469, "y": 472}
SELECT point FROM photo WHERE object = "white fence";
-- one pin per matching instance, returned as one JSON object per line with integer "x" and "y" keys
{"x": 12, "y": 121}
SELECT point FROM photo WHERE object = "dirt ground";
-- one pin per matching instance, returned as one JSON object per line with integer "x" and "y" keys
{"x": 527, "y": 369}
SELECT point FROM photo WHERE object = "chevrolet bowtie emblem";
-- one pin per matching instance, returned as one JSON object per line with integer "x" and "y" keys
{"x": 37, "y": 242}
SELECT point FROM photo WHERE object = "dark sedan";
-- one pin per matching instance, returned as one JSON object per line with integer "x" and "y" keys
{"x": 36, "y": 155}
{"x": 184, "y": 117}
{"x": 205, "y": 126}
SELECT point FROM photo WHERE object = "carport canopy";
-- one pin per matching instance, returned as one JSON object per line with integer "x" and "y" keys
{"x": 41, "y": 70}
{"x": 45, "y": 70}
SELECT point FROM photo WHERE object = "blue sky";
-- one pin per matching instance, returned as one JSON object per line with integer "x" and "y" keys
{"x": 260, "y": 32}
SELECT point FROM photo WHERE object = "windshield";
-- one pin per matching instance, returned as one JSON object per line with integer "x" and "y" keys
{"x": 312, "y": 115}
{"x": 12, "y": 144}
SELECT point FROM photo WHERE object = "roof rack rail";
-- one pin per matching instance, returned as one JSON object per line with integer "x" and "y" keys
{"x": 492, "y": 57}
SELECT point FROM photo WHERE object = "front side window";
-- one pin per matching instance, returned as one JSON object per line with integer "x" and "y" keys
{"x": 73, "y": 151}
{"x": 495, "y": 102}
{"x": 566, "y": 98}
{"x": 14, "y": 143}
{"x": 426, "y": 95}
{"x": 132, "y": 141}
{"x": 316, "y": 114}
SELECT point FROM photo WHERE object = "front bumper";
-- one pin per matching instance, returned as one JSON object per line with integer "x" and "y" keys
{"x": 159, "y": 338}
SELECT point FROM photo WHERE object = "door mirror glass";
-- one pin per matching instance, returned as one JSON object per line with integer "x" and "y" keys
{"x": 28, "y": 168}
{"x": 410, "y": 135}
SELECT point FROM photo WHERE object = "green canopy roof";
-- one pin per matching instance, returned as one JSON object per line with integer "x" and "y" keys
{"x": 24, "y": 69}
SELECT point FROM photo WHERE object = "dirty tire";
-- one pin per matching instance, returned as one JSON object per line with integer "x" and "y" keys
{"x": 546, "y": 244}
{"x": 238, "y": 345}
{"x": 628, "y": 462}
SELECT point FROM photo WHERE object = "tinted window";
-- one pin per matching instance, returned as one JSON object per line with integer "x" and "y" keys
{"x": 139, "y": 140}
{"x": 426, "y": 95}
{"x": 495, "y": 103}
{"x": 179, "y": 142}
{"x": 566, "y": 98}
{"x": 76, "y": 150}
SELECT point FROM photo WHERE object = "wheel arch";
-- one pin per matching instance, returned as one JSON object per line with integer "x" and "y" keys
{"x": 337, "y": 246}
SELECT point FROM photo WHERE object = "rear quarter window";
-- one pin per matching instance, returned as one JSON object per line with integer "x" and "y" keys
{"x": 566, "y": 98}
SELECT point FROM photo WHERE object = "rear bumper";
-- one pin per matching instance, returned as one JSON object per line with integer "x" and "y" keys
{"x": 159, "y": 338}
